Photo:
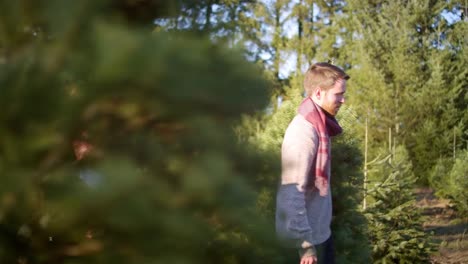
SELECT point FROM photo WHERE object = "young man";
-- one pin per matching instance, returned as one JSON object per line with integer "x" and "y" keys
{"x": 304, "y": 205}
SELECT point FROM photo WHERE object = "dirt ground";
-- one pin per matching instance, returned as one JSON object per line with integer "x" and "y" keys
{"x": 450, "y": 231}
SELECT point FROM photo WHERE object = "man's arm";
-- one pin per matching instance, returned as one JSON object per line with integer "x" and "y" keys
{"x": 292, "y": 224}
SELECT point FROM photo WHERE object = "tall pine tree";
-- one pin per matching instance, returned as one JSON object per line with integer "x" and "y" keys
{"x": 408, "y": 76}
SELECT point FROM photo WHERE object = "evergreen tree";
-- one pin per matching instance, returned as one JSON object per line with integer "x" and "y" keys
{"x": 449, "y": 178}
{"x": 318, "y": 34}
{"x": 273, "y": 16}
{"x": 304, "y": 43}
{"x": 458, "y": 183}
{"x": 330, "y": 30}
{"x": 408, "y": 76}
{"x": 438, "y": 178}
{"x": 350, "y": 227}
{"x": 395, "y": 223}
{"x": 157, "y": 176}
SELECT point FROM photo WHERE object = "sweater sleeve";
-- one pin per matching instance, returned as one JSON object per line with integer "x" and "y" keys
{"x": 297, "y": 156}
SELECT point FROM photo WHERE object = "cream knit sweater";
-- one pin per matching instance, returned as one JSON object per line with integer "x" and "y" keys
{"x": 303, "y": 217}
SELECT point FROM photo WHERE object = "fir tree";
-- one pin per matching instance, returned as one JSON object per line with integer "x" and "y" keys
{"x": 458, "y": 183}
{"x": 157, "y": 176}
{"x": 395, "y": 223}
{"x": 408, "y": 76}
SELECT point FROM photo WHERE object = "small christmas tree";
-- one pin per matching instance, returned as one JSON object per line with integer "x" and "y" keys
{"x": 395, "y": 223}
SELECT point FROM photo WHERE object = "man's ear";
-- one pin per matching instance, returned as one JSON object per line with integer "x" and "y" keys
{"x": 317, "y": 92}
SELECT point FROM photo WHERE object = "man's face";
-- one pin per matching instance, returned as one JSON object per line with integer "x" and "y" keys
{"x": 332, "y": 99}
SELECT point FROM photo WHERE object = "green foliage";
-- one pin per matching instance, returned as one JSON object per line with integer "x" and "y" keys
{"x": 406, "y": 69}
{"x": 449, "y": 178}
{"x": 350, "y": 227}
{"x": 395, "y": 223}
{"x": 438, "y": 179}
{"x": 164, "y": 175}
{"x": 164, "y": 182}
{"x": 458, "y": 183}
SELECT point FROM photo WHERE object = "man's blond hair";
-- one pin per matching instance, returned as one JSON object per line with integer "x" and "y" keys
{"x": 323, "y": 75}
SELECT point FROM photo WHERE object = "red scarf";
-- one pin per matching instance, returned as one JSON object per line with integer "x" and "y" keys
{"x": 326, "y": 126}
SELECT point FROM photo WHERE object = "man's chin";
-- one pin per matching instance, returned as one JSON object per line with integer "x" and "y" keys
{"x": 331, "y": 111}
{"x": 337, "y": 110}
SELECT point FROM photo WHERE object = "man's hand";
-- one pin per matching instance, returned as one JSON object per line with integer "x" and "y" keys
{"x": 308, "y": 253}
{"x": 308, "y": 260}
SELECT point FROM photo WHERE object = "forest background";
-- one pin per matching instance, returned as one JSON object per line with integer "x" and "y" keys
{"x": 148, "y": 131}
